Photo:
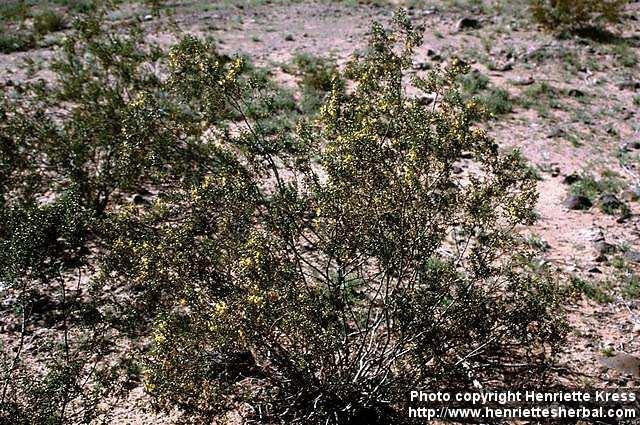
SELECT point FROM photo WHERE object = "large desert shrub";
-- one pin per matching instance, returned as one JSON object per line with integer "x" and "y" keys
{"x": 319, "y": 276}
{"x": 576, "y": 14}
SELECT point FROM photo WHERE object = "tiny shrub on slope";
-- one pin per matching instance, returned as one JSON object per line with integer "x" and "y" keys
{"x": 576, "y": 14}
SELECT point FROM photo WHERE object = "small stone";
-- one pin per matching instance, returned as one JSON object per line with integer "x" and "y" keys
{"x": 636, "y": 328}
{"x": 425, "y": 100}
{"x": 571, "y": 178}
{"x": 601, "y": 259}
{"x": 434, "y": 56}
{"x": 557, "y": 132}
{"x": 604, "y": 248}
{"x": 140, "y": 200}
{"x": 624, "y": 363}
{"x": 147, "y": 17}
{"x": 576, "y": 93}
{"x": 523, "y": 81}
{"x": 468, "y": 23}
{"x": 555, "y": 171}
{"x": 422, "y": 66}
{"x": 609, "y": 202}
{"x": 595, "y": 270}
{"x": 577, "y": 202}
{"x": 633, "y": 256}
{"x": 508, "y": 66}
{"x": 629, "y": 146}
{"x": 456, "y": 169}
{"x": 288, "y": 37}
{"x": 629, "y": 85}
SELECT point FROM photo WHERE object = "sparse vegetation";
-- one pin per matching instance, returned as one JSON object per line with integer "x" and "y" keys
{"x": 576, "y": 14}
{"x": 47, "y": 21}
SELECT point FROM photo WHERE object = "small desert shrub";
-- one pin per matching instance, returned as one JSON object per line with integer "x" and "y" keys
{"x": 320, "y": 276}
{"x": 316, "y": 80}
{"x": 48, "y": 21}
{"x": 14, "y": 10}
{"x": 576, "y": 14}
{"x": 497, "y": 102}
{"x": 593, "y": 188}
{"x": 16, "y": 41}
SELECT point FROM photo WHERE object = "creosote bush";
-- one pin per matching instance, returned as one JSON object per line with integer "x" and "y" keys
{"x": 314, "y": 269}
{"x": 576, "y": 14}
{"x": 319, "y": 279}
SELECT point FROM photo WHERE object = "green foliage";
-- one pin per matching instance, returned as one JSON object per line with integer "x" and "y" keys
{"x": 14, "y": 10}
{"x": 591, "y": 291}
{"x": 320, "y": 277}
{"x": 318, "y": 76}
{"x": 314, "y": 265}
{"x": 48, "y": 21}
{"x": 593, "y": 188}
{"x": 16, "y": 42}
{"x": 497, "y": 102}
{"x": 576, "y": 14}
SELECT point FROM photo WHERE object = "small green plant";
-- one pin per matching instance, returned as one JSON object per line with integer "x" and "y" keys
{"x": 16, "y": 42}
{"x": 625, "y": 54}
{"x": 47, "y": 21}
{"x": 631, "y": 288}
{"x": 576, "y": 14}
{"x": 497, "y": 101}
{"x": 591, "y": 291}
{"x": 316, "y": 80}
{"x": 14, "y": 10}
{"x": 593, "y": 188}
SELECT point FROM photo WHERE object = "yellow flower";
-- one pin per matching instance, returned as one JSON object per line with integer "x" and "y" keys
{"x": 256, "y": 300}
{"x": 221, "y": 308}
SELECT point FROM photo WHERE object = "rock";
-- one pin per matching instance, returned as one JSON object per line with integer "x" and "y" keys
{"x": 636, "y": 328}
{"x": 556, "y": 132}
{"x": 468, "y": 23}
{"x": 601, "y": 259}
{"x": 425, "y": 100}
{"x": 147, "y": 18}
{"x": 577, "y": 202}
{"x": 555, "y": 171}
{"x": 604, "y": 248}
{"x": 138, "y": 199}
{"x": 609, "y": 202}
{"x": 594, "y": 270}
{"x": 523, "y": 81}
{"x": 288, "y": 37}
{"x": 434, "y": 56}
{"x": 629, "y": 85}
{"x": 624, "y": 363}
{"x": 422, "y": 66}
{"x": 630, "y": 195}
{"x": 628, "y": 146}
{"x": 571, "y": 178}
{"x": 633, "y": 256}
{"x": 623, "y": 218}
{"x": 575, "y": 93}
{"x": 456, "y": 169}
{"x": 508, "y": 66}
